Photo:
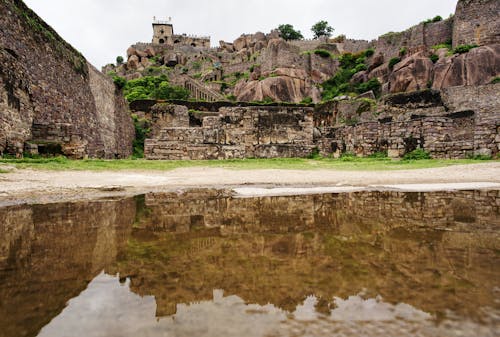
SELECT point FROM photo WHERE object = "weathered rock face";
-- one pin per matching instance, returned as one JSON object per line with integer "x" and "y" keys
{"x": 479, "y": 66}
{"x": 285, "y": 85}
{"x": 476, "y": 22}
{"x": 413, "y": 73}
{"x": 57, "y": 97}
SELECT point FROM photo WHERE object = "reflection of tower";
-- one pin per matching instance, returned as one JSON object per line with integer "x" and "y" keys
{"x": 163, "y": 30}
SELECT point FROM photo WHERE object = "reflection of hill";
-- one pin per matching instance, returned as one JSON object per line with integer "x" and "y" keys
{"x": 49, "y": 253}
{"x": 433, "y": 251}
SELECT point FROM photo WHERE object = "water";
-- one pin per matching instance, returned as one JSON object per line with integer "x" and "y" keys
{"x": 201, "y": 264}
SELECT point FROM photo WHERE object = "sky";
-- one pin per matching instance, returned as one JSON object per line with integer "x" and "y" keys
{"x": 104, "y": 29}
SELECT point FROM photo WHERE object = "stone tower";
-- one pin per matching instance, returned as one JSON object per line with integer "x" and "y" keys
{"x": 163, "y": 32}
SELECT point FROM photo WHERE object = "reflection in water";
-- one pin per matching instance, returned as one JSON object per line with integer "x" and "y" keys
{"x": 422, "y": 263}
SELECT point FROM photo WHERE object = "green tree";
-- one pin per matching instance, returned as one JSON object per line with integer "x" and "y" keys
{"x": 119, "y": 60}
{"x": 322, "y": 28}
{"x": 287, "y": 32}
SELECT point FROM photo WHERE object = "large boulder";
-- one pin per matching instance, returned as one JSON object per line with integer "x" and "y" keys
{"x": 133, "y": 62}
{"x": 413, "y": 73}
{"x": 285, "y": 85}
{"x": 240, "y": 43}
{"x": 478, "y": 66}
{"x": 131, "y": 51}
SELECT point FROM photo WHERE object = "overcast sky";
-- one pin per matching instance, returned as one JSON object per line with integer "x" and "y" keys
{"x": 103, "y": 29}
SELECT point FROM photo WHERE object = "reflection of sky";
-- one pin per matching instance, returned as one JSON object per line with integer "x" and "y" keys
{"x": 107, "y": 308}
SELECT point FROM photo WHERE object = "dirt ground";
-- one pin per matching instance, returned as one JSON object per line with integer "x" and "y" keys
{"x": 33, "y": 186}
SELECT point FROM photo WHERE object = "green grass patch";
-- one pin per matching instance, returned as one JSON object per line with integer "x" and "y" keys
{"x": 344, "y": 163}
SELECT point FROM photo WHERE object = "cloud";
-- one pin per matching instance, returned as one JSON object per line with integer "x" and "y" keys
{"x": 101, "y": 30}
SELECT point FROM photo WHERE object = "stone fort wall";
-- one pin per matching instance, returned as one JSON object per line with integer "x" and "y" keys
{"x": 456, "y": 123}
{"x": 49, "y": 94}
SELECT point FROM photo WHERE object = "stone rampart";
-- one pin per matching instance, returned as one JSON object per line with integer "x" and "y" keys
{"x": 476, "y": 22}
{"x": 50, "y": 87}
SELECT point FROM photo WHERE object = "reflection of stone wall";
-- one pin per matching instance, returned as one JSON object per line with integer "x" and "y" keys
{"x": 48, "y": 253}
{"x": 281, "y": 249}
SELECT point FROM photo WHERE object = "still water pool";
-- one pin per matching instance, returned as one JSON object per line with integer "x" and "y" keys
{"x": 204, "y": 264}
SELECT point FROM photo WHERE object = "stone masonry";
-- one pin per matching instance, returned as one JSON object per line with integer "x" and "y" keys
{"x": 458, "y": 122}
{"x": 234, "y": 132}
{"x": 51, "y": 98}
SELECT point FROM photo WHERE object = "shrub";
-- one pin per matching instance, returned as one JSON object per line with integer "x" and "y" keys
{"x": 120, "y": 82}
{"x": 153, "y": 87}
{"x": 369, "y": 52}
{"x": 464, "y": 48}
{"x": 323, "y": 53}
{"x": 403, "y": 51}
{"x": 480, "y": 157}
{"x": 437, "y": 18}
{"x": 442, "y": 46}
{"x": 307, "y": 100}
{"x": 495, "y": 80}
{"x": 417, "y": 154}
{"x": 393, "y": 62}
{"x": 378, "y": 155}
{"x": 119, "y": 60}
{"x": 434, "y": 58}
{"x": 142, "y": 130}
{"x": 372, "y": 84}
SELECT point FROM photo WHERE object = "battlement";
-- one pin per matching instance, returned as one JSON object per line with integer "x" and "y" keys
{"x": 163, "y": 34}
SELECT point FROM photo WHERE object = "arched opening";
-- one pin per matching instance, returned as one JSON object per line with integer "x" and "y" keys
{"x": 193, "y": 44}
{"x": 177, "y": 41}
{"x": 161, "y": 41}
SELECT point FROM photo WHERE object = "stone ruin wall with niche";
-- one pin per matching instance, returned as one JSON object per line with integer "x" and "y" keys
{"x": 457, "y": 123}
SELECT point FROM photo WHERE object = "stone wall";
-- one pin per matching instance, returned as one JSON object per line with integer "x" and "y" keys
{"x": 476, "y": 22}
{"x": 62, "y": 99}
{"x": 235, "y": 132}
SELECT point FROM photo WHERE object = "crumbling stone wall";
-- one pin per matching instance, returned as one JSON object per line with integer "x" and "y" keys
{"x": 476, "y": 22}
{"x": 235, "y": 132}
{"x": 73, "y": 105}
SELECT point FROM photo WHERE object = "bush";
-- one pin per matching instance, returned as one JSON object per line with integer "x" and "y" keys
{"x": 434, "y": 58}
{"x": 369, "y": 52}
{"x": 323, "y": 53}
{"x": 307, "y": 100}
{"x": 417, "y": 154}
{"x": 393, "y": 62}
{"x": 403, "y": 51}
{"x": 142, "y": 130}
{"x": 495, "y": 80}
{"x": 437, "y": 18}
{"x": 378, "y": 155}
{"x": 153, "y": 87}
{"x": 120, "y": 82}
{"x": 119, "y": 60}
{"x": 372, "y": 84}
{"x": 464, "y": 48}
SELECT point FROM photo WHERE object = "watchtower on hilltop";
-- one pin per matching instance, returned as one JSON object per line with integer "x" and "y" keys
{"x": 163, "y": 34}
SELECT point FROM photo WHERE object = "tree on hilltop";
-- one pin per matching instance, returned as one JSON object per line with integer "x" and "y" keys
{"x": 322, "y": 28}
{"x": 287, "y": 32}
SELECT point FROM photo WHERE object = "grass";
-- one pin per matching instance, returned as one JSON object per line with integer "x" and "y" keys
{"x": 348, "y": 163}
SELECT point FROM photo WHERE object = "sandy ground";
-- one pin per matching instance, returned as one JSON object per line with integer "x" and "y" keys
{"x": 33, "y": 186}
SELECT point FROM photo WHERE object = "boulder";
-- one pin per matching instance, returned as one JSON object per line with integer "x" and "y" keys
{"x": 359, "y": 77}
{"x": 133, "y": 62}
{"x": 131, "y": 51}
{"x": 376, "y": 61}
{"x": 281, "y": 88}
{"x": 150, "y": 52}
{"x": 240, "y": 43}
{"x": 413, "y": 73}
{"x": 476, "y": 67}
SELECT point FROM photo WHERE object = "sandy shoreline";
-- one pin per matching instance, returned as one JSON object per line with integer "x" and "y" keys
{"x": 33, "y": 186}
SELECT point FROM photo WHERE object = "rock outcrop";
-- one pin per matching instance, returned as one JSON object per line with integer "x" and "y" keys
{"x": 51, "y": 98}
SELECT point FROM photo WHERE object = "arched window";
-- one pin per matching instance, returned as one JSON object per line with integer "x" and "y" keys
{"x": 161, "y": 41}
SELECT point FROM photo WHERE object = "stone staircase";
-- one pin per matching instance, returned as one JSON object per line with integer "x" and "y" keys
{"x": 200, "y": 91}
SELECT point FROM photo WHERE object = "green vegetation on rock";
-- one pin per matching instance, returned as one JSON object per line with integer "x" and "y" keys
{"x": 339, "y": 84}
{"x": 464, "y": 48}
{"x": 288, "y": 33}
{"x": 153, "y": 87}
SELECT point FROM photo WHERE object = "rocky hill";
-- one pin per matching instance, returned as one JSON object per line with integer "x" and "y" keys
{"x": 461, "y": 50}
{"x": 51, "y": 99}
